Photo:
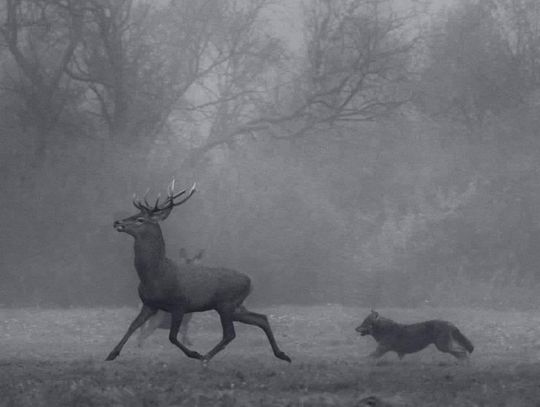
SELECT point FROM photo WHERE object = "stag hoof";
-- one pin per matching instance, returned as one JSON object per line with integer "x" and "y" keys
{"x": 113, "y": 355}
{"x": 194, "y": 355}
{"x": 283, "y": 356}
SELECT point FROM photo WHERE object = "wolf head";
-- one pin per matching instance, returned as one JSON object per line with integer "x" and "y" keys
{"x": 366, "y": 327}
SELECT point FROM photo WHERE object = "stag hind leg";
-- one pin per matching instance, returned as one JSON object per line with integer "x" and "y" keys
{"x": 176, "y": 322}
{"x": 145, "y": 313}
{"x": 241, "y": 314}
{"x": 226, "y": 317}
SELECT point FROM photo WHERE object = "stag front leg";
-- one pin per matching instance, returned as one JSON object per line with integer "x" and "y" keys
{"x": 150, "y": 326}
{"x": 184, "y": 327}
{"x": 145, "y": 313}
{"x": 176, "y": 321}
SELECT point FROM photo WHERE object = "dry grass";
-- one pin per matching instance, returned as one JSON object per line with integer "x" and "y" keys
{"x": 55, "y": 358}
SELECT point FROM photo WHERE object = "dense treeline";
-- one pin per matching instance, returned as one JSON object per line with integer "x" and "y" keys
{"x": 345, "y": 151}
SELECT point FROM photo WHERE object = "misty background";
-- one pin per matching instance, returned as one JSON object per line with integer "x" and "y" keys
{"x": 354, "y": 151}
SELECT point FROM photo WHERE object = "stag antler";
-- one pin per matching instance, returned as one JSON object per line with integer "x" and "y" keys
{"x": 171, "y": 196}
{"x": 169, "y": 202}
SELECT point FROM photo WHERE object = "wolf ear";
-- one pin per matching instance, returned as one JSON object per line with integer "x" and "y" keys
{"x": 375, "y": 314}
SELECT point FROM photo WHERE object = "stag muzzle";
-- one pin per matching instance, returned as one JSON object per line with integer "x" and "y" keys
{"x": 118, "y": 226}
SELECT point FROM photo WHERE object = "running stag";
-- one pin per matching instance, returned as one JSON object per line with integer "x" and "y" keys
{"x": 165, "y": 285}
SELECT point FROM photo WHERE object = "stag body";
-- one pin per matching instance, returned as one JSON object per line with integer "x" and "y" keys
{"x": 162, "y": 319}
{"x": 164, "y": 285}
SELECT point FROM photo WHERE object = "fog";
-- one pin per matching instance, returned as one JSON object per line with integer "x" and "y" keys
{"x": 358, "y": 152}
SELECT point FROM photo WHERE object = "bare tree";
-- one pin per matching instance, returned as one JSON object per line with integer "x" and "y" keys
{"x": 354, "y": 69}
{"x": 142, "y": 61}
{"x": 213, "y": 67}
{"x": 473, "y": 73}
{"x": 41, "y": 37}
{"x": 106, "y": 62}
{"x": 356, "y": 64}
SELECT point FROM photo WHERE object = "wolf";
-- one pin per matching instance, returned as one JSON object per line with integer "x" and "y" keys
{"x": 410, "y": 338}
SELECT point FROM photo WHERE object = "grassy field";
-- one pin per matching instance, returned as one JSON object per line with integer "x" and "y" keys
{"x": 55, "y": 358}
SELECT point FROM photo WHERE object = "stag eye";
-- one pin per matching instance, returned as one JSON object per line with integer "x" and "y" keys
{"x": 140, "y": 220}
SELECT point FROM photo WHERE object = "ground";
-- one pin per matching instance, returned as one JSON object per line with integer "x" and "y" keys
{"x": 56, "y": 358}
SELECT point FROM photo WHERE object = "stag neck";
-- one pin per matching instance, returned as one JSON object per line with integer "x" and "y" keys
{"x": 149, "y": 250}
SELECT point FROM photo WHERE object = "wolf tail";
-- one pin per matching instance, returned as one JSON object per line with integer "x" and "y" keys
{"x": 462, "y": 340}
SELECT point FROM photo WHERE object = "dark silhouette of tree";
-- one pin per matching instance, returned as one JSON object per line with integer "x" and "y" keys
{"x": 354, "y": 69}
{"x": 472, "y": 72}
{"x": 41, "y": 36}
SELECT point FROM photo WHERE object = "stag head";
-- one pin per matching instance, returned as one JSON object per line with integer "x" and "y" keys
{"x": 153, "y": 213}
